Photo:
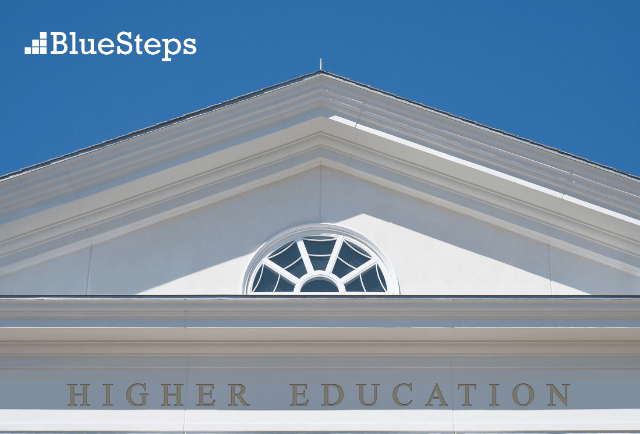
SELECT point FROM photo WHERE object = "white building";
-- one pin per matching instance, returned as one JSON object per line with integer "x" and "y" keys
{"x": 319, "y": 256}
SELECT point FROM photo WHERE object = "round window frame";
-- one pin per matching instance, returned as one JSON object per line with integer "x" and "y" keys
{"x": 322, "y": 229}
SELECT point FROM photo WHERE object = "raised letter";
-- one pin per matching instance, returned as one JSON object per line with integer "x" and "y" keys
{"x": 238, "y": 395}
{"x": 107, "y": 402}
{"x": 178, "y": 395}
{"x": 72, "y": 399}
{"x": 436, "y": 394}
{"x": 108, "y": 44}
{"x": 91, "y": 51}
{"x": 152, "y": 43}
{"x": 56, "y": 42}
{"x": 466, "y": 393}
{"x": 202, "y": 395}
{"x": 494, "y": 403}
{"x": 375, "y": 394}
{"x": 166, "y": 57}
{"x": 294, "y": 402}
{"x": 326, "y": 395}
{"x": 143, "y": 395}
{"x": 127, "y": 43}
{"x": 395, "y": 394}
{"x": 552, "y": 390}
{"x": 515, "y": 394}
{"x": 188, "y": 45}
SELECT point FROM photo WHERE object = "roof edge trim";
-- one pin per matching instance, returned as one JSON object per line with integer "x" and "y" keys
{"x": 274, "y": 87}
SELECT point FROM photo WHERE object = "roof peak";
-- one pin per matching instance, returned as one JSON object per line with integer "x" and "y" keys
{"x": 320, "y": 72}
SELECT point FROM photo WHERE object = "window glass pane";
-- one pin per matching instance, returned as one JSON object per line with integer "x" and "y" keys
{"x": 358, "y": 249}
{"x": 281, "y": 249}
{"x": 284, "y": 285}
{"x": 354, "y": 286}
{"x": 287, "y": 255}
{"x": 319, "y": 246}
{"x": 298, "y": 269}
{"x": 267, "y": 282}
{"x": 319, "y": 285}
{"x": 319, "y": 262}
{"x": 341, "y": 269}
{"x": 371, "y": 281}
{"x": 352, "y": 255}
{"x": 381, "y": 277}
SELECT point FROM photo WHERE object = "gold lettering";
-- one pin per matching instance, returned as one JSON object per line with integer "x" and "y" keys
{"x": 108, "y": 395}
{"x": 143, "y": 395}
{"x": 73, "y": 394}
{"x": 395, "y": 394}
{"x": 238, "y": 395}
{"x": 515, "y": 394}
{"x": 178, "y": 395}
{"x": 375, "y": 394}
{"x": 294, "y": 402}
{"x": 552, "y": 390}
{"x": 494, "y": 403}
{"x": 436, "y": 394}
{"x": 326, "y": 395}
{"x": 466, "y": 393}
{"x": 202, "y": 395}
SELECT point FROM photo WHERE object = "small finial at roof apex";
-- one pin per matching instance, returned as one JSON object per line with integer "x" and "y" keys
{"x": 321, "y": 64}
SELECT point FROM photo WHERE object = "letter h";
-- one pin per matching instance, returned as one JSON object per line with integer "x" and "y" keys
{"x": 177, "y": 395}
{"x": 73, "y": 394}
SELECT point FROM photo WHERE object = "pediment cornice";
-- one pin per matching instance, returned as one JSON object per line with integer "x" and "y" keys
{"x": 320, "y": 120}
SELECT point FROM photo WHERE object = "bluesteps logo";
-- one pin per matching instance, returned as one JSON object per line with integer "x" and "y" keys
{"x": 61, "y": 43}
{"x": 38, "y": 46}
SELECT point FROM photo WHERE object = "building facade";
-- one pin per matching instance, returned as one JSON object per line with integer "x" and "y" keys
{"x": 319, "y": 256}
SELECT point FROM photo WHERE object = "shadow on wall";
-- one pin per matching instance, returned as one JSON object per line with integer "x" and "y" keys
{"x": 206, "y": 251}
{"x": 462, "y": 252}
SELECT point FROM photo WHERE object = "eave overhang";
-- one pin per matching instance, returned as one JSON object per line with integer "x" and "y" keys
{"x": 319, "y": 120}
{"x": 557, "y": 324}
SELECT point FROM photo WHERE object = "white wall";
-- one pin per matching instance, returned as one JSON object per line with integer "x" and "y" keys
{"x": 433, "y": 250}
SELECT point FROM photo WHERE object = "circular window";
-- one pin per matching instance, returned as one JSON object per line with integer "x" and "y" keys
{"x": 319, "y": 259}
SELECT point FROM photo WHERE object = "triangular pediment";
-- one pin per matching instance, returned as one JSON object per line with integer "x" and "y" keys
{"x": 320, "y": 126}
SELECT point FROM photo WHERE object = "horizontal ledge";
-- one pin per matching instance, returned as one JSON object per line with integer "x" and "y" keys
{"x": 313, "y": 297}
{"x": 327, "y": 305}
{"x": 309, "y": 336}
{"x": 397, "y": 421}
{"x": 314, "y": 311}
{"x": 320, "y": 319}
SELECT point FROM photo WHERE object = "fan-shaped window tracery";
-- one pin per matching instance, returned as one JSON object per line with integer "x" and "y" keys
{"x": 320, "y": 259}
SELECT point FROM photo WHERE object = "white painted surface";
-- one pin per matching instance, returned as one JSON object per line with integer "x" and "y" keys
{"x": 66, "y": 274}
{"x": 457, "y": 209}
{"x": 268, "y": 344}
{"x": 199, "y": 252}
{"x": 574, "y": 275}
{"x": 486, "y": 175}
{"x": 435, "y": 251}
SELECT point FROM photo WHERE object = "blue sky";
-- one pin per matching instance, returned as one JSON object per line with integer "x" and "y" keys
{"x": 565, "y": 74}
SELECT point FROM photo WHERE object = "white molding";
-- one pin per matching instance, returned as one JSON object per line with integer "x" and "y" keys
{"x": 149, "y": 178}
{"x": 303, "y": 421}
{"x": 318, "y": 95}
{"x": 224, "y": 354}
{"x": 330, "y": 159}
{"x": 527, "y": 316}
